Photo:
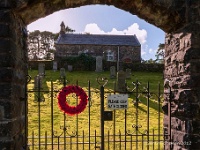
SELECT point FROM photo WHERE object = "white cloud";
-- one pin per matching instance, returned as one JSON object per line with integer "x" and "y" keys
{"x": 143, "y": 52}
{"x": 93, "y": 29}
{"x": 115, "y": 31}
{"x": 144, "y": 48}
{"x": 150, "y": 50}
{"x": 141, "y": 34}
{"x": 147, "y": 52}
{"x": 131, "y": 30}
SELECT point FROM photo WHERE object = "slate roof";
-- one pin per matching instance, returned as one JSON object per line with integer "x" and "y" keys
{"x": 94, "y": 39}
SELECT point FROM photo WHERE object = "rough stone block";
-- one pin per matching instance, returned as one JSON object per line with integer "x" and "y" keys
{"x": 165, "y": 121}
{"x": 183, "y": 69}
{"x": 188, "y": 110}
{"x": 185, "y": 125}
{"x": 187, "y": 95}
{"x": 5, "y": 90}
{"x": 6, "y": 60}
{"x": 168, "y": 72}
{"x": 4, "y": 30}
{"x": 7, "y": 4}
{"x": 177, "y": 69}
{"x": 177, "y": 147}
{"x": 6, "y": 144}
{"x": 1, "y": 113}
{"x": 12, "y": 109}
{"x": 168, "y": 61}
{"x": 10, "y": 128}
{"x": 180, "y": 138}
{"x": 12, "y": 143}
{"x": 6, "y": 128}
{"x": 194, "y": 144}
{"x": 194, "y": 81}
{"x": 194, "y": 66}
{"x": 8, "y": 47}
{"x": 196, "y": 126}
{"x": 185, "y": 82}
{"x": 5, "y": 46}
{"x": 18, "y": 88}
{"x": 6, "y": 75}
{"x": 6, "y": 16}
{"x": 192, "y": 54}
{"x": 174, "y": 70}
{"x": 19, "y": 76}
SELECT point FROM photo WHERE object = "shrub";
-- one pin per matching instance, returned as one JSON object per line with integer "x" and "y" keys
{"x": 81, "y": 62}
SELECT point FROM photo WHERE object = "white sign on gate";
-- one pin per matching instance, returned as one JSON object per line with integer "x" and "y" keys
{"x": 117, "y": 101}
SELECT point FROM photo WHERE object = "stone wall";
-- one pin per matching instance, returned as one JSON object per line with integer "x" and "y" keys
{"x": 13, "y": 60}
{"x": 134, "y": 53}
{"x": 182, "y": 73}
{"x": 165, "y": 14}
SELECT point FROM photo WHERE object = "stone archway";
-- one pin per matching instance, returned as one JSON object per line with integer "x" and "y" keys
{"x": 178, "y": 18}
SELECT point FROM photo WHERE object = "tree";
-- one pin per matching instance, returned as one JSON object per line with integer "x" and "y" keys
{"x": 41, "y": 45}
{"x": 69, "y": 30}
{"x": 160, "y": 54}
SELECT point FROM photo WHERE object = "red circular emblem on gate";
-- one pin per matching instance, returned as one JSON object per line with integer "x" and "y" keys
{"x": 72, "y": 110}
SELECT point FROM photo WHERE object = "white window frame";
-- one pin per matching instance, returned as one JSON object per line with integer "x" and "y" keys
{"x": 110, "y": 55}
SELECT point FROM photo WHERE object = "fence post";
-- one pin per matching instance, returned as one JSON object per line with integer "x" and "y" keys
{"x": 102, "y": 116}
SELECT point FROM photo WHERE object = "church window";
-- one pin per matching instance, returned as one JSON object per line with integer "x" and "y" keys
{"x": 110, "y": 55}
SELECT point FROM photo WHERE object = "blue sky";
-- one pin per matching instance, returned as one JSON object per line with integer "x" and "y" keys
{"x": 103, "y": 19}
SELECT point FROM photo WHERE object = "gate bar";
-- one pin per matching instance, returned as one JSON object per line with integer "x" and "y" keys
{"x": 52, "y": 115}
{"x": 136, "y": 119}
{"x": 159, "y": 111}
{"x": 102, "y": 117}
{"x": 89, "y": 103}
{"x": 39, "y": 111}
{"x": 148, "y": 105}
{"x": 114, "y": 121}
{"x": 26, "y": 111}
{"x": 125, "y": 129}
{"x": 77, "y": 121}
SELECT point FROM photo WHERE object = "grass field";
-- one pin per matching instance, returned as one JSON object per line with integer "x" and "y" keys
{"x": 136, "y": 123}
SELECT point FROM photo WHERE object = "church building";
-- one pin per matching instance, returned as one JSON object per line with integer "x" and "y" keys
{"x": 121, "y": 48}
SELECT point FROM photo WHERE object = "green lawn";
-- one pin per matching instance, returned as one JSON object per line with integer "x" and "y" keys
{"x": 134, "y": 115}
{"x": 82, "y": 77}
